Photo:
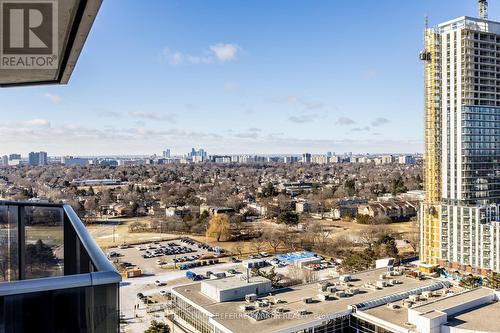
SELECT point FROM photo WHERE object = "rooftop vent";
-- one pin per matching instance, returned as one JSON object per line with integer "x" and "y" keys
{"x": 331, "y": 289}
{"x": 251, "y": 298}
{"x": 247, "y": 307}
{"x": 393, "y": 306}
{"x": 302, "y": 312}
{"x": 259, "y": 315}
{"x": 307, "y": 300}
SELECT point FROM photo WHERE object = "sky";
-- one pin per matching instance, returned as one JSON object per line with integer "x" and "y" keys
{"x": 237, "y": 77}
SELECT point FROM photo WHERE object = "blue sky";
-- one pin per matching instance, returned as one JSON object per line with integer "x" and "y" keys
{"x": 237, "y": 76}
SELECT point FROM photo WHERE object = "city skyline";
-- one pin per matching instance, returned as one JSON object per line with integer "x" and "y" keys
{"x": 160, "y": 93}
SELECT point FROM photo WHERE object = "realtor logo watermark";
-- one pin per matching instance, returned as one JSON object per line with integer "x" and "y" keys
{"x": 29, "y": 34}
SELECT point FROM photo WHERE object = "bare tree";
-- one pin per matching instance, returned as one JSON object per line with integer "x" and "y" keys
{"x": 256, "y": 244}
{"x": 275, "y": 238}
{"x": 238, "y": 249}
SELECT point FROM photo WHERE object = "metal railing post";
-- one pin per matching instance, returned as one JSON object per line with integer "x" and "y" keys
{"x": 21, "y": 233}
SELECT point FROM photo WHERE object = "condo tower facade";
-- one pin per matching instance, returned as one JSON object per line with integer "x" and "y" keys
{"x": 459, "y": 218}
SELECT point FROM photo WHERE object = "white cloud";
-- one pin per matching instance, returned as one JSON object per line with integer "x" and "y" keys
{"x": 301, "y": 102}
{"x": 221, "y": 52}
{"x": 108, "y": 114}
{"x": 380, "y": 121}
{"x": 345, "y": 121}
{"x": 53, "y": 98}
{"x": 361, "y": 129}
{"x": 80, "y": 140}
{"x": 225, "y": 52}
{"x": 247, "y": 135}
{"x": 305, "y": 118}
{"x": 33, "y": 123}
{"x": 171, "y": 117}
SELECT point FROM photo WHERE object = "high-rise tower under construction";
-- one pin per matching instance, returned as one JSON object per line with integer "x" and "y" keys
{"x": 459, "y": 218}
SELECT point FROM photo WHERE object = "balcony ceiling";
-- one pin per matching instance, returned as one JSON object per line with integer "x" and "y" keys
{"x": 75, "y": 19}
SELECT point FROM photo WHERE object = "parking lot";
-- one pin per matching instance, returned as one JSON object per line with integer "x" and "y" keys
{"x": 153, "y": 258}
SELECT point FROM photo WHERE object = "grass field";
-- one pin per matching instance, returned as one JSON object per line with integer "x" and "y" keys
{"x": 112, "y": 234}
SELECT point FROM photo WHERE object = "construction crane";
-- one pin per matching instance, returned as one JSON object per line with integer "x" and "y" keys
{"x": 483, "y": 9}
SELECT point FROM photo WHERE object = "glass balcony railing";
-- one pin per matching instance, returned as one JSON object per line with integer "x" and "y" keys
{"x": 53, "y": 276}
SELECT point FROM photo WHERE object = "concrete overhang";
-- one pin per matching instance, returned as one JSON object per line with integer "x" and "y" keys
{"x": 74, "y": 21}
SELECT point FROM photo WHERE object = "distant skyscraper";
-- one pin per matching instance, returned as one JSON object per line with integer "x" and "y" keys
{"x": 197, "y": 153}
{"x": 14, "y": 157}
{"x": 460, "y": 216}
{"x": 306, "y": 158}
{"x": 39, "y": 158}
{"x": 166, "y": 153}
{"x": 5, "y": 160}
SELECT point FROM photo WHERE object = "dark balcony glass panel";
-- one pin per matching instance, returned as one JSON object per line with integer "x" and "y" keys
{"x": 44, "y": 241}
{"x": 9, "y": 245}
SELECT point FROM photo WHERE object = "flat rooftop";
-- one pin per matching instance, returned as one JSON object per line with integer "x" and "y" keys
{"x": 471, "y": 23}
{"x": 444, "y": 303}
{"x": 291, "y": 300}
{"x": 234, "y": 282}
{"x": 483, "y": 318}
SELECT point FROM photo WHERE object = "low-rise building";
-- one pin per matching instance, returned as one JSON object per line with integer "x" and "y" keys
{"x": 344, "y": 211}
{"x": 261, "y": 210}
{"x": 396, "y": 210}
{"x": 380, "y": 300}
{"x": 216, "y": 210}
{"x": 302, "y": 206}
{"x": 177, "y": 211}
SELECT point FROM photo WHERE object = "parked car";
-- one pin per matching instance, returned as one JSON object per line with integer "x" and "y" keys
{"x": 112, "y": 254}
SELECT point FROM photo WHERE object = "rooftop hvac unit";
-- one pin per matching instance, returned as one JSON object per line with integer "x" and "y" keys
{"x": 407, "y": 304}
{"x": 262, "y": 304}
{"x": 331, "y": 289}
{"x": 354, "y": 291}
{"x": 394, "y": 282}
{"x": 340, "y": 293}
{"x": 307, "y": 300}
{"x": 247, "y": 307}
{"x": 323, "y": 285}
{"x": 323, "y": 297}
{"x": 381, "y": 284}
{"x": 427, "y": 294}
{"x": 251, "y": 298}
{"x": 382, "y": 276}
{"x": 280, "y": 309}
{"x": 395, "y": 273}
{"x": 302, "y": 312}
{"x": 345, "y": 278}
{"x": 414, "y": 298}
